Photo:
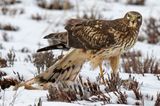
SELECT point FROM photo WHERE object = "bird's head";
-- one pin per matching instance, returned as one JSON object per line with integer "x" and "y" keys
{"x": 134, "y": 19}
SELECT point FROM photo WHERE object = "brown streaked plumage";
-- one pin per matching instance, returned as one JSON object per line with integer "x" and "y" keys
{"x": 94, "y": 41}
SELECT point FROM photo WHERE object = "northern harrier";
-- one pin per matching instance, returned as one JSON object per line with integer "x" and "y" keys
{"x": 94, "y": 41}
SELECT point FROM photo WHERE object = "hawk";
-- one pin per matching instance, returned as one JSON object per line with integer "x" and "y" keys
{"x": 94, "y": 41}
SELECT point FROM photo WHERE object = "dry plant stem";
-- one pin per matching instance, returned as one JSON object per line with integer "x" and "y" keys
{"x": 140, "y": 65}
{"x": 157, "y": 103}
{"x": 14, "y": 98}
{"x": 152, "y": 30}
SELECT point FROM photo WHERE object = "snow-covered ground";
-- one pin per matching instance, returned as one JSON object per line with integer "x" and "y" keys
{"x": 30, "y": 35}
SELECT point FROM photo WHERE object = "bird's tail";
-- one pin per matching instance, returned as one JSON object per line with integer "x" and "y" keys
{"x": 60, "y": 37}
{"x": 65, "y": 69}
{"x": 56, "y": 46}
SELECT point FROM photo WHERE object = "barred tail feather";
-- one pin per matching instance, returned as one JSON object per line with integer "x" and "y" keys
{"x": 60, "y": 35}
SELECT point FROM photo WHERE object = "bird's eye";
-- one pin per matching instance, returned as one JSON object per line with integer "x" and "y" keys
{"x": 128, "y": 16}
{"x": 139, "y": 18}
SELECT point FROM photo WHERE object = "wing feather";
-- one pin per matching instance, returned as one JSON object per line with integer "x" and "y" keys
{"x": 67, "y": 68}
{"x": 90, "y": 34}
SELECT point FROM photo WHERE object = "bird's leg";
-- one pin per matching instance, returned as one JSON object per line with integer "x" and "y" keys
{"x": 114, "y": 62}
{"x": 101, "y": 73}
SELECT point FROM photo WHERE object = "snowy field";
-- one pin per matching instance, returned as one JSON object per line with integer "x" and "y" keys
{"x": 30, "y": 35}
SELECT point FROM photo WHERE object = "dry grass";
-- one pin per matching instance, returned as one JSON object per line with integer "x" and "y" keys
{"x": 1, "y": 46}
{"x": 2, "y": 74}
{"x": 18, "y": 76}
{"x": 113, "y": 83}
{"x": 37, "y": 17}
{"x": 11, "y": 11}
{"x": 8, "y": 27}
{"x": 44, "y": 60}
{"x": 90, "y": 14}
{"x": 81, "y": 90}
{"x": 25, "y": 50}
{"x": 136, "y": 2}
{"x": 28, "y": 58}
{"x": 91, "y": 92}
{"x": 6, "y": 83}
{"x": 152, "y": 30}
{"x": 5, "y": 37}
{"x": 122, "y": 97}
{"x": 131, "y": 54}
{"x": 9, "y": 2}
{"x": 59, "y": 94}
{"x": 157, "y": 103}
{"x": 140, "y": 65}
{"x": 39, "y": 103}
{"x": 55, "y": 4}
{"x": 11, "y": 57}
{"x": 133, "y": 84}
{"x": 3, "y": 63}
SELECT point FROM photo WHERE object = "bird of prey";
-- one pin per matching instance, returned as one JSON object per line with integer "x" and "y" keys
{"x": 94, "y": 41}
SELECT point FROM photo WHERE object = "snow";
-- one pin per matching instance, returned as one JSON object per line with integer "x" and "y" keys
{"x": 31, "y": 33}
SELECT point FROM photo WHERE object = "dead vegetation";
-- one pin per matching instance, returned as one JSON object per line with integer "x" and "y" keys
{"x": 130, "y": 54}
{"x": 130, "y": 2}
{"x": 28, "y": 58}
{"x": 140, "y": 65}
{"x": 91, "y": 92}
{"x": 37, "y": 17}
{"x": 44, "y": 60}
{"x": 11, "y": 11}
{"x": 2, "y": 74}
{"x": 11, "y": 57}
{"x": 113, "y": 83}
{"x": 25, "y": 50}
{"x": 157, "y": 103}
{"x": 55, "y": 4}
{"x": 19, "y": 77}
{"x": 152, "y": 30}
{"x": 39, "y": 103}
{"x": 9, "y": 2}
{"x": 7, "y": 82}
{"x": 3, "y": 63}
{"x": 90, "y": 14}
{"x": 136, "y": 2}
{"x": 1, "y": 46}
{"x": 59, "y": 94}
{"x": 133, "y": 84}
{"x": 122, "y": 97}
{"x": 5, "y": 37}
{"x": 8, "y": 27}
{"x": 82, "y": 90}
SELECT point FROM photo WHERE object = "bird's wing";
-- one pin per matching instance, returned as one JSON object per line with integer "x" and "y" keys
{"x": 87, "y": 34}
{"x": 92, "y": 34}
{"x": 60, "y": 37}
{"x": 65, "y": 69}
